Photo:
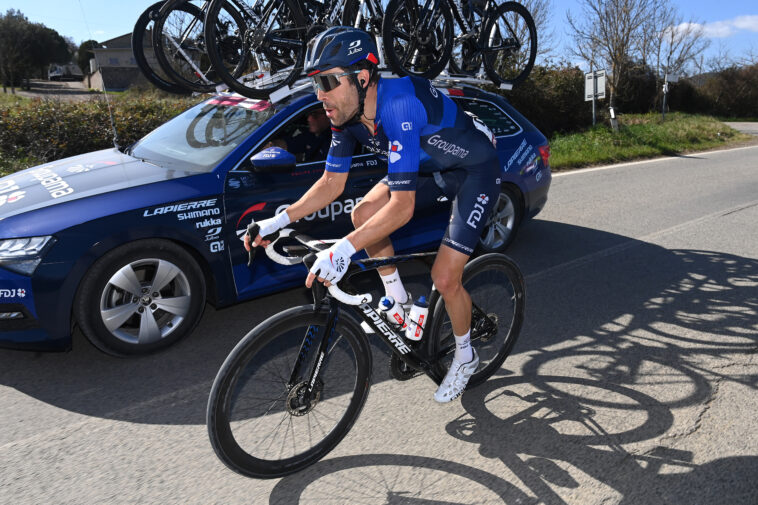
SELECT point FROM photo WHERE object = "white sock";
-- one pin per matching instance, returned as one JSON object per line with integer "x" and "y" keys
{"x": 393, "y": 286}
{"x": 463, "y": 350}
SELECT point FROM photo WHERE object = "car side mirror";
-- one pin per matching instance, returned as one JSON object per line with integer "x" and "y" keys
{"x": 273, "y": 160}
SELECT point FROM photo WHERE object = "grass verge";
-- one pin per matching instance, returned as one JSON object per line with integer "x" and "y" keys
{"x": 641, "y": 136}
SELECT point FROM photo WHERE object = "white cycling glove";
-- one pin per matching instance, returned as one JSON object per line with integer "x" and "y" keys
{"x": 272, "y": 224}
{"x": 331, "y": 264}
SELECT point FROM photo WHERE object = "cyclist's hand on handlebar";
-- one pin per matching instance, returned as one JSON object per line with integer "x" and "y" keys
{"x": 331, "y": 264}
{"x": 265, "y": 227}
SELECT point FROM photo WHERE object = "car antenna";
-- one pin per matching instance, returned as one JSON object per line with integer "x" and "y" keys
{"x": 105, "y": 91}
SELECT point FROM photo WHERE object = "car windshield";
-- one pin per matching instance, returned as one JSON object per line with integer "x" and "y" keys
{"x": 199, "y": 138}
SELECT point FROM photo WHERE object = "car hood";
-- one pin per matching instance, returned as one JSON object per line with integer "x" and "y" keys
{"x": 77, "y": 177}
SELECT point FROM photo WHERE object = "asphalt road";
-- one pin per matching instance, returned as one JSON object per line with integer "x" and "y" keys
{"x": 634, "y": 380}
{"x": 66, "y": 91}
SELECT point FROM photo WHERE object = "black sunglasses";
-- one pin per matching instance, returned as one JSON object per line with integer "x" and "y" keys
{"x": 327, "y": 82}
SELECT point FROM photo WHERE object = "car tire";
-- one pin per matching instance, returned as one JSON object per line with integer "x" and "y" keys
{"x": 502, "y": 223}
{"x": 140, "y": 298}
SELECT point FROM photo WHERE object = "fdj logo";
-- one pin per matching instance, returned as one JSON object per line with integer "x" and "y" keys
{"x": 395, "y": 148}
{"x": 476, "y": 214}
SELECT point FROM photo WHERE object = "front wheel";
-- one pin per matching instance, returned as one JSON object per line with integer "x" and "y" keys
{"x": 496, "y": 287}
{"x": 140, "y": 298}
{"x": 510, "y": 42}
{"x": 262, "y": 420}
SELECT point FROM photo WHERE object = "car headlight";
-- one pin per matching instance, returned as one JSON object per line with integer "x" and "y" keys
{"x": 22, "y": 255}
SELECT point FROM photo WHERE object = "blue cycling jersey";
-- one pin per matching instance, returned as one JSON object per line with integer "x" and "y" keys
{"x": 418, "y": 129}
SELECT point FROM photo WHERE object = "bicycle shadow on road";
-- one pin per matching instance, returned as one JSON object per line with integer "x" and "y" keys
{"x": 395, "y": 479}
{"x": 549, "y": 432}
{"x": 570, "y": 300}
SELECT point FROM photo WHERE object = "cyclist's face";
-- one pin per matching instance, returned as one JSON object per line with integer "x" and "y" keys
{"x": 341, "y": 103}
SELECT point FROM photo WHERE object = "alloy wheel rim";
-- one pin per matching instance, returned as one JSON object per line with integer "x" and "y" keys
{"x": 145, "y": 301}
{"x": 499, "y": 226}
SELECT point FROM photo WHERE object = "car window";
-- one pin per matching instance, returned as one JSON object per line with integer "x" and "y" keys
{"x": 491, "y": 115}
{"x": 308, "y": 136}
{"x": 199, "y": 138}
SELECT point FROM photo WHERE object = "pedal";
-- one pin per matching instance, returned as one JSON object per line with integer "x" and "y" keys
{"x": 400, "y": 371}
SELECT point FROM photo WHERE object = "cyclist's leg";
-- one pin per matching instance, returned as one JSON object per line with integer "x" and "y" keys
{"x": 375, "y": 199}
{"x": 447, "y": 275}
{"x": 472, "y": 205}
{"x": 378, "y": 197}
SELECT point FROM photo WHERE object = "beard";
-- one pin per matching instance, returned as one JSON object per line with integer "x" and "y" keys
{"x": 353, "y": 118}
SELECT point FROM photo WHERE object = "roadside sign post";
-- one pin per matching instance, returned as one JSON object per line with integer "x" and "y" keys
{"x": 666, "y": 80}
{"x": 594, "y": 89}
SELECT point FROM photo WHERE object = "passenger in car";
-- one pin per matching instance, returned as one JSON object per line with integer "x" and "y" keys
{"x": 311, "y": 145}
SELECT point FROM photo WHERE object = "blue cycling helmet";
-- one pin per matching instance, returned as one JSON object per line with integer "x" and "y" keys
{"x": 339, "y": 46}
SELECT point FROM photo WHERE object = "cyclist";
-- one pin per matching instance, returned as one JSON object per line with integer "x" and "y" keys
{"x": 418, "y": 129}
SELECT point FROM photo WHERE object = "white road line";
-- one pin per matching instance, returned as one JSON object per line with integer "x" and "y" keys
{"x": 631, "y": 163}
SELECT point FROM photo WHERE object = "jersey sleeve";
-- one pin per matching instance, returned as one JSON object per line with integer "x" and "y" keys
{"x": 403, "y": 117}
{"x": 340, "y": 151}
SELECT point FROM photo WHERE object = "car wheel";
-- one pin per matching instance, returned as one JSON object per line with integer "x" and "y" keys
{"x": 140, "y": 298}
{"x": 502, "y": 224}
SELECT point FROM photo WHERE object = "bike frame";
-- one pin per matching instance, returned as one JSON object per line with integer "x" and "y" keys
{"x": 416, "y": 356}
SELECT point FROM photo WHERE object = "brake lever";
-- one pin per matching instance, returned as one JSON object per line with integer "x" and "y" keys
{"x": 252, "y": 230}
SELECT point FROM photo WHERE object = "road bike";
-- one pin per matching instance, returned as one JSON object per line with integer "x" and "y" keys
{"x": 269, "y": 44}
{"x": 144, "y": 55}
{"x": 181, "y": 45}
{"x": 293, "y": 386}
{"x": 422, "y": 36}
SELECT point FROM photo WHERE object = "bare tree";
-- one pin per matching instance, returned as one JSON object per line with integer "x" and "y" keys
{"x": 678, "y": 44}
{"x": 541, "y": 11}
{"x": 608, "y": 34}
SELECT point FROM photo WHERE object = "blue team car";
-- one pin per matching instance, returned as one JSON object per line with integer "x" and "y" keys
{"x": 130, "y": 244}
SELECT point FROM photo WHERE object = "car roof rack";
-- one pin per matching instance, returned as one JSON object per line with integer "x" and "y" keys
{"x": 442, "y": 80}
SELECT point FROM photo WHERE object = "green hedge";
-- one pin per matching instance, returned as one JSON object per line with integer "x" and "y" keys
{"x": 46, "y": 130}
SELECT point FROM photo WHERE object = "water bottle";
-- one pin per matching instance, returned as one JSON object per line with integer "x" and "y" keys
{"x": 393, "y": 311}
{"x": 417, "y": 319}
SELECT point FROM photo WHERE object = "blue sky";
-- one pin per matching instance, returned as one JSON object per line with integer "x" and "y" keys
{"x": 731, "y": 24}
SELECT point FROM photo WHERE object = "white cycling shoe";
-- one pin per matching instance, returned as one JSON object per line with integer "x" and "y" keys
{"x": 456, "y": 379}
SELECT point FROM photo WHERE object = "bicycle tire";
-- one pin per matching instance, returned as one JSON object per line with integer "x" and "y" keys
{"x": 496, "y": 286}
{"x": 199, "y": 74}
{"x": 138, "y": 49}
{"x": 276, "y": 343}
{"x": 466, "y": 55}
{"x": 400, "y": 19}
{"x": 503, "y": 66}
{"x": 283, "y": 63}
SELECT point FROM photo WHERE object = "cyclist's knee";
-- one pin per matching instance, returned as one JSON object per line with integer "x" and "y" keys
{"x": 446, "y": 281}
{"x": 365, "y": 209}
{"x": 361, "y": 213}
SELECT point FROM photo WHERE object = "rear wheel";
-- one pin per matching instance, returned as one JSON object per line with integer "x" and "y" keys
{"x": 268, "y": 46}
{"x": 182, "y": 48}
{"x": 496, "y": 287}
{"x": 502, "y": 223}
{"x": 140, "y": 298}
{"x": 262, "y": 421}
{"x": 412, "y": 49}
{"x": 144, "y": 54}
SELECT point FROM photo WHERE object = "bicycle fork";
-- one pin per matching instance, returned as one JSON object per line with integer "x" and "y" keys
{"x": 305, "y": 393}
